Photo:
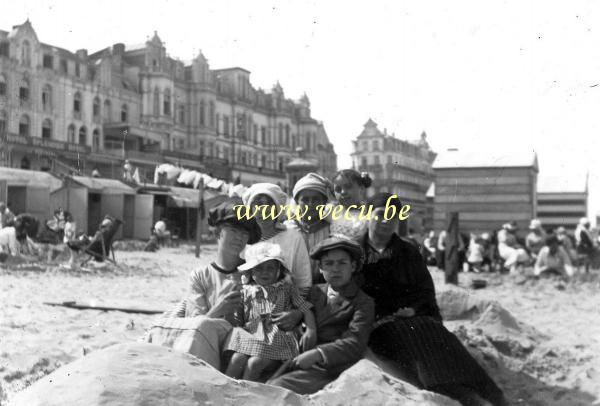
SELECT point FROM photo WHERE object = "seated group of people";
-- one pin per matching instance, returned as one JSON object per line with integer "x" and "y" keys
{"x": 295, "y": 303}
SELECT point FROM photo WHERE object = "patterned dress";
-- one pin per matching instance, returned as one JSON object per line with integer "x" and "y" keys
{"x": 260, "y": 337}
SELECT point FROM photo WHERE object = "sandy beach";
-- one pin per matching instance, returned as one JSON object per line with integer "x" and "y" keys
{"x": 552, "y": 358}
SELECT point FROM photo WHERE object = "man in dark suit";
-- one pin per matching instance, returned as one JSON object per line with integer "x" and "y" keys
{"x": 344, "y": 315}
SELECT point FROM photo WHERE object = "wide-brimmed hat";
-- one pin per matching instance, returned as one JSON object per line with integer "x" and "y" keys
{"x": 270, "y": 189}
{"x": 261, "y": 252}
{"x": 338, "y": 241}
{"x": 225, "y": 213}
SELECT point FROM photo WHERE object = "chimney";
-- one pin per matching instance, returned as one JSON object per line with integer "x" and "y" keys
{"x": 118, "y": 49}
{"x": 82, "y": 53}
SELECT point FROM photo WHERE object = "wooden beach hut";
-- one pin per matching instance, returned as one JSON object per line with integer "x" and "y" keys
{"x": 487, "y": 190}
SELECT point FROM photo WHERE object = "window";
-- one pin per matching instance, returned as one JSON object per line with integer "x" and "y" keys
{"x": 201, "y": 148}
{"x": 24, "y": 93}
{"x": 156, "y": 102}
{"x": 280, "y": 164}
{"x": 376, "y": 160}
{"x": 280, "y": 132}
{"x": 47, "y": 129}
{"x": 3, "y": 121}
{"x": 82, "y": 136}
{"x": 48, "y": 61}
{"x": 226, "y": 125}
{"x": 218, "y": 123}
{"x": 24, "y": 125}
{"x": 182, "y": 115}
{"x": 226, "y": 153}
{"x": 255, "y": 133}
{"x": 64, "y": 68}
{"x": 96, "y": 140}
{"x": 167, "y": 103}
{"x": 263, "y": 161}
{"x": 211, "y": 113}
{"x": 71, "y": 134}
{"x": 3, "y": 85}
{"x": 389, "y": 159}
{"x": 124, "y": 111}
{"x": 96, "y": 108}
{"x": 77, "y": 69}
{"x": 26, "y": 53}
{"x": 47, "y": 98}
{"x": 77, "y": 105}
{"x": 107, "y": 111}
{"x": 363, "y": 162}
{"x": 5, "y": 49}
{"x": 287, "y": 135}
{"x": 202, "y": 113}
{"x": 263, "y": 135}
{"x": 375, "y": 145}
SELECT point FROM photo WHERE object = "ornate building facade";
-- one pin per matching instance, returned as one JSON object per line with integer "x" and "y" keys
{"x": 65, "y": 111}
{"x": 397, "y": 166}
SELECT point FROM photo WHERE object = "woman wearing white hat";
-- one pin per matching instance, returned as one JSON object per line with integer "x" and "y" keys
{"x": 509, "y": 249}
{"x": 536, "y": 239}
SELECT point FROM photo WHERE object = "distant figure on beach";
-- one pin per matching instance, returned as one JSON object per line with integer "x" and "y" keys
{"x": 536, "y": 238}
{"x": 565, "y": 240}
{"x": 7, "y": 217}
{"x": 509, "y": 249}
{"x": 95, "y": 172}
{"x": 553, "y": 258}
{"x": 430, "y": 248}
{"x": 127, "y": 171}
{"x": 257, "y": 343}
{"x": 441, "y": 250}
{"x": 585, "y": 242}
{"x": 15, "y": 239}
{"x": 161, "y": 232}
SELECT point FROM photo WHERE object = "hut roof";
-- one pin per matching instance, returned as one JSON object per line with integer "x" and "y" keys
{"x": 32, "y": 179}
{"x": 562, "y": 184}
{"x": 485, "y": 159}
{"x": 104, "y": 185}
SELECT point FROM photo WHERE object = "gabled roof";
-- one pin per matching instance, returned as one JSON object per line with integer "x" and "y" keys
{"x": 485, "y": 159}
{"x": 562, "y": 184}
{"x": 32, "y": 179}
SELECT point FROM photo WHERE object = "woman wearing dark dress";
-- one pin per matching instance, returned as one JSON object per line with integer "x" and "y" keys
{"x": 409, "y": 329}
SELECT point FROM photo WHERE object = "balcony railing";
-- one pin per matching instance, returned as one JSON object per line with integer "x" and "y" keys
{"x": 53, "y": 145}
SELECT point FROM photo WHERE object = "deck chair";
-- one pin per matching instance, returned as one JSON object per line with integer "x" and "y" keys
{"x": 100, "y": 247}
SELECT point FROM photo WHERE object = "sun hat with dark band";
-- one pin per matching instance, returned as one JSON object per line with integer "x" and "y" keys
{"x": 338, "y": 241}
{"x": 261, "y": 252}
{"x": 225, "y": 213}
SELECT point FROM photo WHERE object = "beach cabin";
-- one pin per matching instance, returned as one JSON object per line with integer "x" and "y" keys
{"x": 27, "y": 191}
{"x": 486, "y": 189}
{"x": 562, "y": 201}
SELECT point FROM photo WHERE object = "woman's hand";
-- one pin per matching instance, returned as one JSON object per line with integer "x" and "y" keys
{"x": 307, "y": 359}
{"x": 405, "y": 312}
{"x": 287, "y": 320}
{"x": 308, "y": 340}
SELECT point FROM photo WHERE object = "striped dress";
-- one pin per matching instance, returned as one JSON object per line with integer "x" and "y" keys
{"x": 260, "y": 337}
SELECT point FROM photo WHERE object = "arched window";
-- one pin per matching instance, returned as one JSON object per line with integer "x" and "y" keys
{"x": 77, "y": 105}
{"x": 47, "y": 98}
{"x": 25, "y": 164}
{"x": 167, "y": 103}
{"x": 202, "y": 113}
{"x": 82, "y": 136}
{"x": 47, "y": 129}
{"x": 3, "y": 122}
{"x": 71, "y": 134}
{"x": 24, "y": 92}
{"x": 96, "y": 140}
{"x": 124, "y": 113}
{"x": 24, "y": 125}
{"x": 3, "y": 85}
{"x": 26, "y": 53}
{"x": 96, "y": 108}
{"x": 156, "y": 102}
{"x": 211, "y": 113}
{"x": 106, "y": 114}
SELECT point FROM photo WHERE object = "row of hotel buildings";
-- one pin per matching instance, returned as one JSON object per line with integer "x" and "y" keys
{"x": 65, "y": 111}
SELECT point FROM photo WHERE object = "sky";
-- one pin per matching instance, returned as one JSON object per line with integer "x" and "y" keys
{"x": 475, "y": 75}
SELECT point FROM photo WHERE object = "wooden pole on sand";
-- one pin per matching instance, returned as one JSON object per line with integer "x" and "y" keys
{"x": 200, "y": 217}
{"x": 452, "y": 263}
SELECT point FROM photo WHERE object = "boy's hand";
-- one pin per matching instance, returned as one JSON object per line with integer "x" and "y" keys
{"x": 308, "y": 340}
{"x": 307, "y": 359}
